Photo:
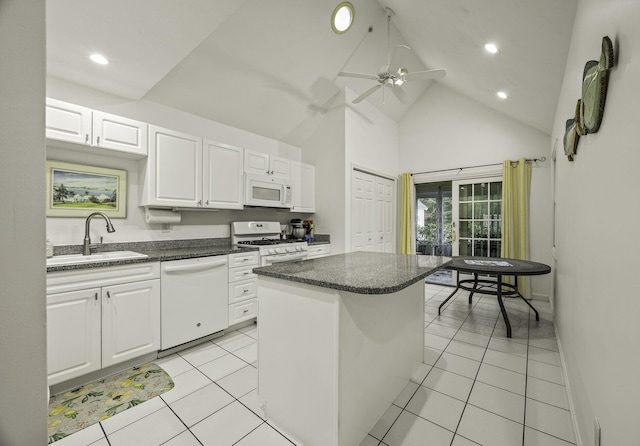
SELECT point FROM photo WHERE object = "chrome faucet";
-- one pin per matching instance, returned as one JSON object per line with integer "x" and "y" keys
{"x": 86, "y": 249}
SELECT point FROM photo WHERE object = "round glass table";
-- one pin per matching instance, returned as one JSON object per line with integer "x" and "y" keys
{"x": 494, "y": 269}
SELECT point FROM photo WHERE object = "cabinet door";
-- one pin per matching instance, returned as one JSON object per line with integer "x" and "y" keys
{"x": 303, "y": 181}
{"x": 120, "y": 134}
{"x": 280, "y": 167}
{"x": 73, "y": 334}
{"x": 174, "y": 169}
{"x": 222, "y": 176}
{"x": 130, "y": 321}
{"x": 68, "y": 122}
{"x": 256, "y": 162}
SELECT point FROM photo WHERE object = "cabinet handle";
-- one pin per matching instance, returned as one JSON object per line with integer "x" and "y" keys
{"x": 108, "y": 295}
{"x": 98, "y": 141}
{"x": 207, "y": 202}
{"x": 96, "y": 296}
{"x": 245, "y": 291}
{"x": 245, "y": 311}
{"x": 86, "y": 138}
{"x": 200, "y": 203}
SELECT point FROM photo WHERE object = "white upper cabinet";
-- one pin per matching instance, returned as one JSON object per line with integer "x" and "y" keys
{"x": 222, "y": 177}
{"x": 111, "y": 134}
{"x": 68, "y": 122}
{"x": 303, "y": 180}
{"x": 182, "y": 171}
{"x": 264, "y": 164}
{"x": 173, "y": 171}
{"x": 118, "y": 133}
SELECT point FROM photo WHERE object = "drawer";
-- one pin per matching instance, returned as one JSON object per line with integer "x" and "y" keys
{"x": 239, "y": 291}
{"x": 315, "y": 251}
{"x": 236, "y": 274}
{"x": 244, "y": 259}
{"x": 243, "y": 311}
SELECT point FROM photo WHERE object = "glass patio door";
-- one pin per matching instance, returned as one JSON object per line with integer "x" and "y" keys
{"x": 477, "y": 217}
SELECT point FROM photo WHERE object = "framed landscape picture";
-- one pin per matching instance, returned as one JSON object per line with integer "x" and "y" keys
{"x": 75, "y": 190}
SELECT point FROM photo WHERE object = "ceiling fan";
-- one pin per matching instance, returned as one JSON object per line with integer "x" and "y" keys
{"x": 393, "y": 79}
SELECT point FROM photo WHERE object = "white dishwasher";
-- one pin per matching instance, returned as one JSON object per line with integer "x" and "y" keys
{"x": 194, "y": 299}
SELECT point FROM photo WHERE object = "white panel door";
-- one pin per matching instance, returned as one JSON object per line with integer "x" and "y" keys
{"x": 175, "y": 168}
{"x": 73, "y": 334}
{"x": 222, "y": 177}
{"x": 68, "y": 122}
{"x": 121, "y": 134}
{"x": 362, "y": 212}
{"x": 385, "y": 215}
{"x": 130, "y": 321}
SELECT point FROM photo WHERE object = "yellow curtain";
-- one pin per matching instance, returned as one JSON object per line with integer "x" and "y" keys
{"x": 516, "y": 187}
{"x": 406, "y": 232}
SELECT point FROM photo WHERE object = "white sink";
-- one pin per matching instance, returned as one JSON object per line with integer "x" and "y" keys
{"x": 74, "y": 259}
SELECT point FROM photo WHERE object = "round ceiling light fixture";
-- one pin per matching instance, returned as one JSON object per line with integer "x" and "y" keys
{"x": 502, "y": 95}
{"x": 491, "y": 48}
{"x": 99, "y": 59}
{"x": 342, "y": 18}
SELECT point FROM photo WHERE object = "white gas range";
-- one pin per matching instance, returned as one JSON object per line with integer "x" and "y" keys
{"x": 265, "y": 235}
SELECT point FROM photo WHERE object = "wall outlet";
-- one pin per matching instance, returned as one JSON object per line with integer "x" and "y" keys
{"x": 596, "y": 432}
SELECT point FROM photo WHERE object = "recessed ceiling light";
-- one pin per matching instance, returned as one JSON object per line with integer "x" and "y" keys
{"x": 491, "y": 48}
{"x": 502, "y": 95}
{"x": 342, "y": 18}
{"x": 99, "y": 59}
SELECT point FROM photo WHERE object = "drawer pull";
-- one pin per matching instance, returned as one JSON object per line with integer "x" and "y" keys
{"x": 245, "y": 311}
{"x": 246, "y": 273}
{"x": 245, "y": 291}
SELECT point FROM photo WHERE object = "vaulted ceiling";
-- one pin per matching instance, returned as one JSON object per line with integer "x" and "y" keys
{"x": 268, "y": 65}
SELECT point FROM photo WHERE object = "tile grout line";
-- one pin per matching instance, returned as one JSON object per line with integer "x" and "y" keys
{"x": 474, "y": 381}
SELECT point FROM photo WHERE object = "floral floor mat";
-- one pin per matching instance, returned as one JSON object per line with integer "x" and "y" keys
{"x": 94, "y": 402}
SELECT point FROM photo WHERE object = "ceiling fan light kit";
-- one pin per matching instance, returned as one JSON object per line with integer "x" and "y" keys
{"x": 392, "y": 78}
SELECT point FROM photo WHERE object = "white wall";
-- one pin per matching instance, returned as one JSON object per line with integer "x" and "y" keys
{"x": 445, "y": 130}
{"x": 325, "y": 150}
{"x": 596, "y": 299}
{"x": 23, "y": 411}
{"x": 195, "y": 224}
{"x": 371, "y": 144}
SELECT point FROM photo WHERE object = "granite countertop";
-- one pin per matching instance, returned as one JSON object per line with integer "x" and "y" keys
{"x": 358, "y": 272}
{"x": 155, "y": 251}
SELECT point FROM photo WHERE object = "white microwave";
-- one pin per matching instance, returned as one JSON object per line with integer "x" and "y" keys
{"x": 267, "y": 191}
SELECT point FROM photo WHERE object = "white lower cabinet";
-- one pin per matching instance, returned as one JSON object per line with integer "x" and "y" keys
{"x": 243, "y": 287}
{"x": 316, "y": 251}
{"x": 130, "y": 321}
{"x": 101, "y": 317}
{"x": 73, "y": 334}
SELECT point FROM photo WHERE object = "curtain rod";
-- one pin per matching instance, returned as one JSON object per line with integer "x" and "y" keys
{"x": 528, "y": 160}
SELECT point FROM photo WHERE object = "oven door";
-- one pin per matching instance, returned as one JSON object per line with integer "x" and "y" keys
{"x": 266, "y": 191}
{"x": 282, "y": 258}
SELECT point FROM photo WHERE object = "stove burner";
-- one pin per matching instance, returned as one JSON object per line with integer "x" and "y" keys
{"x": 266, "y": 242}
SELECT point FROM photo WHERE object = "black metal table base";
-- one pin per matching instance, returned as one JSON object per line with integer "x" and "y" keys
{"x": 499, "y": 292}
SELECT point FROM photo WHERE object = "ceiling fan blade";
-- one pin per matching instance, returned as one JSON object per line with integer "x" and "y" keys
{"x": 366, "y": 93}
{"x": 400, "y": 94}
{"x": 358, "y": 75}
{"x": 425, "y": 75}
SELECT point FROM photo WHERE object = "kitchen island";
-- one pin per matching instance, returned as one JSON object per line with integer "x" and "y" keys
{"x": 339, "y": 338}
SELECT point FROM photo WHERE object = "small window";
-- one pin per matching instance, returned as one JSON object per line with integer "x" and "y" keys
{"x": 342, "y": 18}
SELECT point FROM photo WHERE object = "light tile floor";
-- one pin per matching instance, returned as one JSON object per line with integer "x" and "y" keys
{"x": 477, "y": 387}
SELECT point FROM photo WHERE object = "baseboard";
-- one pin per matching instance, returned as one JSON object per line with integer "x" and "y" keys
{"x": 542, "y": 297}
{"x": 574, "y": 420}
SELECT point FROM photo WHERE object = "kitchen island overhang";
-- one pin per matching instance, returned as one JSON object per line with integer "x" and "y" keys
{"x": 339, "y": 339}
